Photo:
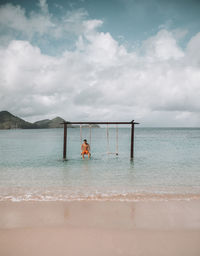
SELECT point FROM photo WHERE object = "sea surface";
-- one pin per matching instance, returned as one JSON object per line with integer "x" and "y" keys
{"x": 166, "y": 165}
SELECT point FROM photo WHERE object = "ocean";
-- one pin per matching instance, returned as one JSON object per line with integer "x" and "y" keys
{"x": 166, "y": 165}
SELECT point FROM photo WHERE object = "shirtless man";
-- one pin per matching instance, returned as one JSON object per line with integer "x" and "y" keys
{"x": 85, "y": 148}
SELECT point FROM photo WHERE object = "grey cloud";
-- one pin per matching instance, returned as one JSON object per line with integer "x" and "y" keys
{"x": 89, "y": 96}
{"x": 184, "y": 106}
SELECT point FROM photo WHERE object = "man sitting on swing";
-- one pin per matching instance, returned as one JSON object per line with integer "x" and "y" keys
{"x": 85, "y": 148}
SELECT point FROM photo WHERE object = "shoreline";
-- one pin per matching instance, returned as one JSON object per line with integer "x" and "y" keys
{"x": 126, "y": 197}
{"x": 100, "y": 228}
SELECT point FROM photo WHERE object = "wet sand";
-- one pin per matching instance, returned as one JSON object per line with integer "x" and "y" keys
{"x": 100, "y": 228}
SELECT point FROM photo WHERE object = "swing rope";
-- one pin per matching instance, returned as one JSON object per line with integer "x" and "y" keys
{"x": 108, "y": 141}
{"x": 90, "y": 135}
{"x": 107, "y": 136}
{"x": 81, "y": 134}
{"x": 117, "y": 139}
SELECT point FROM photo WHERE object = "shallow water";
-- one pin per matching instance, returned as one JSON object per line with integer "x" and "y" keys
{"x": 166, "y": 162}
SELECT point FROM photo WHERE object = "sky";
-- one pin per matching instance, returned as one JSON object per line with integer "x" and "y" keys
{"x": 108, "y": 60}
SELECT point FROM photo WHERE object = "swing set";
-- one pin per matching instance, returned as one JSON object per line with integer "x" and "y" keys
{"x": 132, "y": 123}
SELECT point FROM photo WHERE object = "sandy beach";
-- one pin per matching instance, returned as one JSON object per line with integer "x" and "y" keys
{"x": 100, "y": 228}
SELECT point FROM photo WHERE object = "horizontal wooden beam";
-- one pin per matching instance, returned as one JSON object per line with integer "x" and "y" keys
{"x": 132, "y": 122}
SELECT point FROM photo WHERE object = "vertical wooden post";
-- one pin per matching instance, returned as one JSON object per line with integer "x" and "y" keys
{"x": 65, "y": 142}
{"x": 132, "y": 139}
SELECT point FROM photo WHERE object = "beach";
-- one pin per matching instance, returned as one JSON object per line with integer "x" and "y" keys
{"x": 151, "y": 227}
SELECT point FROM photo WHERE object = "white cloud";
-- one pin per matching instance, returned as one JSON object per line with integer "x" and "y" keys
{"x": 163, "y": 46}
{"x": 43, "y": 6}
{"x": 157, "y": 84}
{"x": 15, "y": 22}
{"x": 193, "y": 52}
{"x": 14, "y": 19}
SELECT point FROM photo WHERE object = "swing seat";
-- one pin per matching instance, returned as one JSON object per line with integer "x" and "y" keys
{"x": 112, "y": 153}
{"x": 85, "y": 152}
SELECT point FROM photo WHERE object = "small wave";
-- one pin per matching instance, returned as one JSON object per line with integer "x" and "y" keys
{"x": 128, "y": 197}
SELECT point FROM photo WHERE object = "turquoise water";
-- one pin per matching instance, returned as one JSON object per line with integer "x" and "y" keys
{"x": 166, "y": 162}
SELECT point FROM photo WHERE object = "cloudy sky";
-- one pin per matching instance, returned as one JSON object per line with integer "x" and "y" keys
{"x": 101, "y": 60}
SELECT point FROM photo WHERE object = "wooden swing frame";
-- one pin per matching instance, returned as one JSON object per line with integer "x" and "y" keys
{"x": 132, "y": 123}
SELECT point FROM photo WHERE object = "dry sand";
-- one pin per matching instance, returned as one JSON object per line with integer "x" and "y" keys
{"x": 146, "y": 228}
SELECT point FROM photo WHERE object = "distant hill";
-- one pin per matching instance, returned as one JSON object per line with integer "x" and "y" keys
{"x": 47, "y": 123}
{"x": 9, "y": 121}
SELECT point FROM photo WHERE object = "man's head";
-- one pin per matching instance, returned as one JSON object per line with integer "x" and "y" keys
{"x": 85, "y": 141}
